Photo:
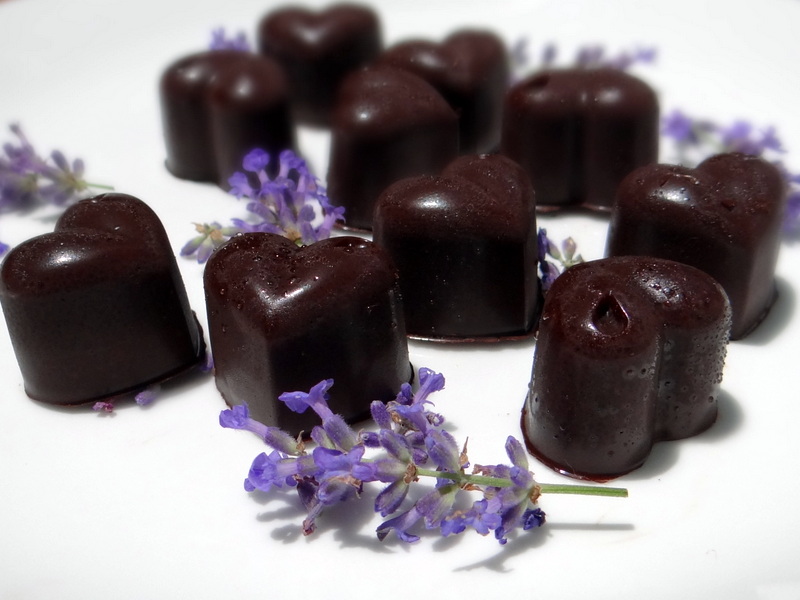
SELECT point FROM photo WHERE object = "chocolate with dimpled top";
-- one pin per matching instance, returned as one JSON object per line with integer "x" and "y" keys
{"x": 724, "y": 217}
{"x": 579, "y": 132}
{"x": 387, "y": 124}
{"x": 282, "y": 318}
{"x": 97, "y": 308}
{"x": 217, "y": 106}
{"x": 470, "y": 68}
{"x": 465, "y": 246}
{"x": 317, "y": 49}
{"x": 630, "y": 352}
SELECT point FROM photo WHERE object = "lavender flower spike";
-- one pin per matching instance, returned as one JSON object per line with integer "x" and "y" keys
{"x": 293, "y": 203}
{"x": 415, "y": 446}
{"x": 238, "y": 417}
{"x": 220, "y": 41}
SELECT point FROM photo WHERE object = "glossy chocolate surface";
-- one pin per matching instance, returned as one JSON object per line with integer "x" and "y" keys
{"x": 471, "y": 70}
{"x": 724, "y": 217}
{"x": 283, "y": 318}
{"x": 317, "y": 50}
{"x": 219, "y": 105}
{"x": 465, "y": 246}
{"x": 579, "y": 132}
{"x": 388, "y": 124}
{"x": 630, "y": 352}
{"x": 98, "y": 308}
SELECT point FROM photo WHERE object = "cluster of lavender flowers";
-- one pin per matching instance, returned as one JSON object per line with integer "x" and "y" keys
{"x": 695, "y": 139}
{"x": 28, "y": 180}
{"x": 549, "y": 252}
{"x": 411, "y": 443}
{"x": 293, "y": 203}
{"x": 592, "y": 56}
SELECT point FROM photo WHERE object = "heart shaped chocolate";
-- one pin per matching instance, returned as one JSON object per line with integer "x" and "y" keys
{"x": 388, "y": 124}
{"x": 282, "y": 318}
{"x": 579, "y": 132}
{"x": 216, "y": 107}
{"x": 465, "y": 246}
{"x": 317, "y": 50}
{"x": 470, "y": 68}
{"x": 724, "y": 217}
{"x": 98, "y": 308}
{"x": 630, "y": 351}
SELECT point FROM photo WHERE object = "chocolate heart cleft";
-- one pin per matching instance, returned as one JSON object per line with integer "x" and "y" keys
{"x": 724, "y": 217}
{"x": 98, "y": 308}
{"x": 465, "y": 245}
{"x": 630, "y": 352}
{"x": 282, "y": 318}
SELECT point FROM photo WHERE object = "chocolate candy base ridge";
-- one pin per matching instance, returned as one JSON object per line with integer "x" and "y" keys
{"x": 630, "y": 352}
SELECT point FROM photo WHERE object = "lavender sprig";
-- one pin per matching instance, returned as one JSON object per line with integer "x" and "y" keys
{"x": 694, "y": 139}
{"x": 549, "y": 252}
{"x": 28, "y": 181}
{"x": 220, "y": 41}
{"x": 591, "y": 56}
{"x": 293, "y": 203}
{"x": 411, "y": 444}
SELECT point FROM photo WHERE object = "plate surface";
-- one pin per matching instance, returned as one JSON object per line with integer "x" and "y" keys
{"x": 148, "y": 503}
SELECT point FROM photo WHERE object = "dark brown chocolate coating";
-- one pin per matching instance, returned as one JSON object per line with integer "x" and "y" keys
{"x": 465, "y": 246}
{"x": 98, "y": 308}
{"x": 388, "y": 124}
{"x": 219, "y": 105}
{"x": 579, "y": 132}
{"x": 724, "y": 217}
{"x": 317, "y": 50}
{"x": 282, "y": 318}
{"x": 470, "y": 68}
{"x": 630, "y": 352}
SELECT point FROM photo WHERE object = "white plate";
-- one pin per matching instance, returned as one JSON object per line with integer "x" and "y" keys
{"x": 148, "y": 503}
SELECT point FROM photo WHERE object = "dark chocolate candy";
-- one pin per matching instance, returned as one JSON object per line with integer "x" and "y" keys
{"x": 465, "y": 246}
{"x": 579, "y": 132}
{"x": 470, "y": 68}
{"x": 723, "y": 217}
{"x": 388, "y": 124}
{"x": 98, "y": 308}
{"x": 317, "y": 50}
{"x": 282, "y": 318}
{"x": 219, "y": 105}
{"x": 630, "y": 352}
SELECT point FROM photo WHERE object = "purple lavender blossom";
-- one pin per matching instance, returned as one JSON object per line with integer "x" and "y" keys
{"x": 566, "y": 257}
{"x": 293, "y": 203}
{"x": 591, "y": 56}
{"x": 27, "y": 180}
{"x": 148, "y": 395}
{"x": 415, "y": 446}
{"x": 220, "y": 41}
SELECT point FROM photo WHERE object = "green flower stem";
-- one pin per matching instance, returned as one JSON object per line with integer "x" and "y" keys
{"x": 98, "y": 186}
{"x": 545, "y": 488}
